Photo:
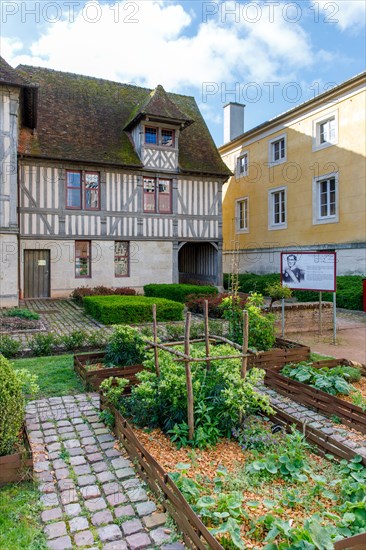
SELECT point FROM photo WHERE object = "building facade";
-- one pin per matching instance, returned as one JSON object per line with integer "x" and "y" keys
{"x": 113, "y": 185}
{"x": 299, "y": 184}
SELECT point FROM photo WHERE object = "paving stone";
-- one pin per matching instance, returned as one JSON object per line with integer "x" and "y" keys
{"x": 77, "y": 460}
{"x": 49, "y": 500}
{"x": 173, "y": 546}
{"x": 109, "y": 533}
{"x": 110, "y": 488}
{"x": 84, "y": 538}
{"x": 51, "y": 515}
{"x": 82, "y": 469}
{"x": 47, "y": 487}
{"x": 90, "y": 491}
{"x": 62, "y": 543}
{"x": 131, "y": 484}
{"x": 91, "y": 449}
{"x": 101, "y": 431}
{"x": 78, "y": 524}
{"x": 53, "y": 455}
{"x": 63, "y": 423}
{"x": 62, "y": 473}
{"x": 95, "y": 504}
{"x": 67, "y": 497}
{"x": 35, "y": 434}
{"x": 66, "y": 429}
{"x": 97, "y": 425}
{"x": 88, "y": 440}
{"x": 86, "y": 480}
{"x": 67, "y": 436}
{"x": 100, "y": 466}
{"x": 103, "y": 477}
{"x": 119, "y": 545}
{"x": 125, "y": 473}
{"x": 138, "y": 541}
{"x": 94, "y": 457}
{"x": 101, "y": 518}
{"x": 76, "y": 451}
{"x": 51, "y": 439}
{"x": 77, "y": 420}
{"x": 93, "y": 417}
{"x": 122, "y": 511}
{"x": 59, "y": 464}
{"x": 41, "y": 466}
{"x": 105, "y": 437}
{"x": 66, "y": 484}
{"x": 51, "y": 431}
{"x": 55, "y": 530}
{"x": 155, "y": 520}
{"x": 72, "y": 510}
{"x": 145, "y": 508}
{"x": 116, "y": 498}
{"x": 160, "y": 535}
{"x": 72, "y": 443}
{"x": 107, "y": 445}
{"x": 131, "y": 526}
{"x": 119, "y": 463}
{"x": 136, "y": 495}
{"x": 112, "y": 453}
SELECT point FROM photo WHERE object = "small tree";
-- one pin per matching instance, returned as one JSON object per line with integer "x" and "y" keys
{"x": 277, "y": 292}
{"x": 12, "y": 407}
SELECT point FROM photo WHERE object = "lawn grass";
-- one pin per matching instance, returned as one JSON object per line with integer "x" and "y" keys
{"x": 56, "y": 376}
{"x": 319, "y": 357}
{"x": 20, "y": 526}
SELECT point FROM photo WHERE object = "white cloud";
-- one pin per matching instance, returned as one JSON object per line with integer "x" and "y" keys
{"x": 347, "y": 14}
{"x": 158, "y": 49}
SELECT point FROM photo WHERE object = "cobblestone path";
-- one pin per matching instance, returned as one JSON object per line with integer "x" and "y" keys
{"x": 315, "y": 420}
{"x": 91, "y": 495}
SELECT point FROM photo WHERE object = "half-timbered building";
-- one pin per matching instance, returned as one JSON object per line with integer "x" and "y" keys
{"x": 109, "y": 184}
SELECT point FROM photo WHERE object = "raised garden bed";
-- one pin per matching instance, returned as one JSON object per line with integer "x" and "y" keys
{"x": 322, "y": 402}
{"x": 90, "y": 368}
{"x": 195, "y": 533}
{"x": 19, "y": 465}
{"x": 285, "y": 352}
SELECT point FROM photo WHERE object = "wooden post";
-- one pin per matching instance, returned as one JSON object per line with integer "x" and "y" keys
{"x": 155, "y": 334}
{"x": 320, "y": 315}
{"x": 190, "y": 399}
{"x": 207, "y": 336}
{"x": 244, "y": 360}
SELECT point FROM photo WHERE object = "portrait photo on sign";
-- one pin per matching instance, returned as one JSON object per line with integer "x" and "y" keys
{"x": 293, "y": 272}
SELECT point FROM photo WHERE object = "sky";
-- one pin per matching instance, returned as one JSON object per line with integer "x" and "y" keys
{"x": 269, "y": 55}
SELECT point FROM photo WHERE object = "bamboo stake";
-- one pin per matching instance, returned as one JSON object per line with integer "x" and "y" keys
{"x": 190, "y": 402}
{"x": 244, "y": 360}
{"x": 207, "y": 335}
{"x": 156, "y": 351}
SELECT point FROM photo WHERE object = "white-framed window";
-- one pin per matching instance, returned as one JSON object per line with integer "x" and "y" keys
{"x": 242, "y": 165}
{"x": 277, "y": 208}
{"x": 277, "y": 150}
{"x": 325, "y": 131}
{"x": 325, "y": 199}
{"x": 242, "y": 215}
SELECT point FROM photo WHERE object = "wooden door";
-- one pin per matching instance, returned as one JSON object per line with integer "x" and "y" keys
{"x": 36, "y": 273}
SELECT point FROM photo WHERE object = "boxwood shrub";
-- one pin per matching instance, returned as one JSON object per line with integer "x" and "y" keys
{"x": 113, "y": 310}
{"x": 349, "y": 289}
{"x": 177, "y": 292}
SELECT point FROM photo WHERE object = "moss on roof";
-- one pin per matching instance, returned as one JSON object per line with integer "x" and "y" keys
{"x": 83, "y": 118}
{"x": 8, "y": 75}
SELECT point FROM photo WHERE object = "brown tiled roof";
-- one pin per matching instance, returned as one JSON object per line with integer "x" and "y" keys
{"x": 8, "y": 75}
{"x": 83, "y": 119}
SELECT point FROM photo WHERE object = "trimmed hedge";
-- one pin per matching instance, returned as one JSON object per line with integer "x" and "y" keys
{"x": 349, "y": 289}
{"x": 178, "y": 293}
{"x": 114, "y": 310}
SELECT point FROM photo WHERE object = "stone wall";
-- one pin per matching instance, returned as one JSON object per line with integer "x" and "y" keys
{"x": 304, "y": 317}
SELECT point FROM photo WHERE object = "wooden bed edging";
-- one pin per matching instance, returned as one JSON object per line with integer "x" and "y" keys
{"x": 319, "y": 400}
{"x": 95, "y": 377}
{"x": 326, "y": 444}
{"x": 17, "y": 466}
{"x": 358, "y": 542}
{"x": 285, "y": 352}
{"x": 195, "y": 533}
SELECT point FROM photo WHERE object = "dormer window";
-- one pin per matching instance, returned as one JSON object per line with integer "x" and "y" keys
{"x": 159, "y": 136}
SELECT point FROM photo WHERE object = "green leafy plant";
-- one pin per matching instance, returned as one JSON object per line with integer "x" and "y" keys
{"x": 332, "y": 381}
{"x": 358, "y": 399}
{"x": 12, "y": 407}
{"x": 22, "y": 313}
{"x": 9, "y": 347}
{"x": 113, "y": 389}
{"x": 107, "y": 417}
{"x": 125, "y": 347}
{"x": 277, "y": 292}
{"x": 97, "y": 338}
{"x": 42, "y": 344}
{"x": 74, "y": 340}
{"x": 174, "y": 331}
{"x": 28, "y": 382}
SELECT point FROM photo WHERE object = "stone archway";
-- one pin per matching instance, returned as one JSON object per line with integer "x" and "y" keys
{"x": 198, "y": 263}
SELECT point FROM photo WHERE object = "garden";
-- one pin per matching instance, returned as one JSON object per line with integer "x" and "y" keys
{"x": 185, "y": 395}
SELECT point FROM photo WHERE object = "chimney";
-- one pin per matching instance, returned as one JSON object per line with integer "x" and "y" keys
{"x": 233, "y": 121}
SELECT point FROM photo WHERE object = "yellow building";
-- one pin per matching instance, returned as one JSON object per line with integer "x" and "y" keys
{"x": 298, "y": 183}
